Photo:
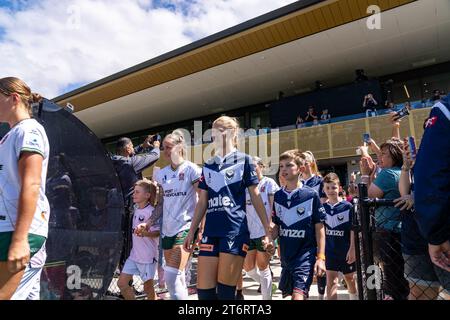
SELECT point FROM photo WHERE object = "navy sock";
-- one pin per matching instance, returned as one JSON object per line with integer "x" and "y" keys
{"x": 207, "y": 294}
{"x": 321, "y": 284}
{"x": 225, "y": 292}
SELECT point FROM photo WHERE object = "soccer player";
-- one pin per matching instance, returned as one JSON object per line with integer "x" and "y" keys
{"x": 24, "y": 208}
{"x": 340, "y": 244}
{"x": 298, "y": 216}
{"x": 179, "y": 181}
{"x": 224, "y": 244}
{"x": 257, "y": 255}
{"x": 311, "y": 177}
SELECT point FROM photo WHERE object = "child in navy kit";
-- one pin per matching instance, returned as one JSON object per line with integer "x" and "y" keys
{"x": 340, "y": 244}
{"x": 298, "y": 216}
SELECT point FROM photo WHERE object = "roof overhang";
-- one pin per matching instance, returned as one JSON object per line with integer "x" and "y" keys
{"x": 324, "y": 41}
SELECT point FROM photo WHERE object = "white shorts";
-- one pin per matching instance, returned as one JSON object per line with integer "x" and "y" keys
{"x": 144, "y": 270}
{"x": 30, "y": 285}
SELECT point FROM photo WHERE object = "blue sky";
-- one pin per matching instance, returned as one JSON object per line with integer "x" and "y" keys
{"x": 59, "y": 45}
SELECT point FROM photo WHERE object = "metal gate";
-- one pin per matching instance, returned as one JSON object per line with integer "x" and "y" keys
{"x": 384, "y": 271}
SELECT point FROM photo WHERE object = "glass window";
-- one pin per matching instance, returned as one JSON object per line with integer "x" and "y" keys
{"x": 436, "y": 82}
{"x": 260, "y": 118}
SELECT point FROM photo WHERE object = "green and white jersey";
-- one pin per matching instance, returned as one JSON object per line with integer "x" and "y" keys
{"x": 267, "y": 187}
{"x": 26, "y": 136}
{"x": 180, "y": 197}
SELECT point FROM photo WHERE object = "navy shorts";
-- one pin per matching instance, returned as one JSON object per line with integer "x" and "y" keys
{"x": 236, "y": 245}
{"x": 298, "y": 276}
{"x": 339, "y": 265}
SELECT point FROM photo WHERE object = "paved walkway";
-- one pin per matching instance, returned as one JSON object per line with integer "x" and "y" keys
{"x": 250, "y": 287}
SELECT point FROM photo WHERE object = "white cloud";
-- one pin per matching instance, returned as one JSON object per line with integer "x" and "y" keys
{"x": 53, "y": 44}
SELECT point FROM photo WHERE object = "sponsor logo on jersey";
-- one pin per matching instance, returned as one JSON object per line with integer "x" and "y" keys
{"x": 33, "y": 142}
{"x": 336, "y": 233}
{"x": 220, "y": 202}
{"x": 204, "y": 239}
{"x": 292, "y": 233}
{"x": 262, "y": 189}
{"x": 172, "y": 193}
{"x": 181, "y": 176}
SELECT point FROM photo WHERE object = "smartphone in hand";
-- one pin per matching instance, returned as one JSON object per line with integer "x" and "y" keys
{"x": 366, "y": 138}
{"x": 412, "y": 147}
{"x": 402, "y": 113}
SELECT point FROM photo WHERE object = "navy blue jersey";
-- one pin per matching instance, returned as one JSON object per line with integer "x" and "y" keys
{"x": 431, "y": 172}
{"x": 226, "y": 179}
{"x": 316, "y": 183}
{"x": 338, "y": 226}
{"x": 296, "y": 214}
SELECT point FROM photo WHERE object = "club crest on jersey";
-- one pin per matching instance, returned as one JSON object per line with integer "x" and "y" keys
{"x": 431, "y": 122}
{"x": 209, "y": 177}
{"x": 141, "y": 218}
{"x": 164, "y": 180}
{"x": 181, "y": 176}
{"x": 340, "y": 217}
{"x": 229, "y": 174}
{"x": 300, "y": 210}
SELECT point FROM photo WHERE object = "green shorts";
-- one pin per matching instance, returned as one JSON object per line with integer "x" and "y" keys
{"x": 36, "y": 242}
{"x": 178, "y": 239}
{"x": 256, "y": 244}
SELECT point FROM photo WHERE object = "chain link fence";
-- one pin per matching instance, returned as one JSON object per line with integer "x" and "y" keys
{"x": 393, "y": 264}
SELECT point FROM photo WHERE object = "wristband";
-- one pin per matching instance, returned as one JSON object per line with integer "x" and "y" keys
{"x": 321, "y": 256}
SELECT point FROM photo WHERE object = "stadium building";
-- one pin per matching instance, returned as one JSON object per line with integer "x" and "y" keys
{"x": 266, "y": 71}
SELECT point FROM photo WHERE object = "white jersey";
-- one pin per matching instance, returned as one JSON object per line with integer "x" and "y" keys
{"x": 267, "y": 187}
{"x": 26, "y": 136}
{"x": 180, "y": 197}
{"x": 145, "y": 249}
